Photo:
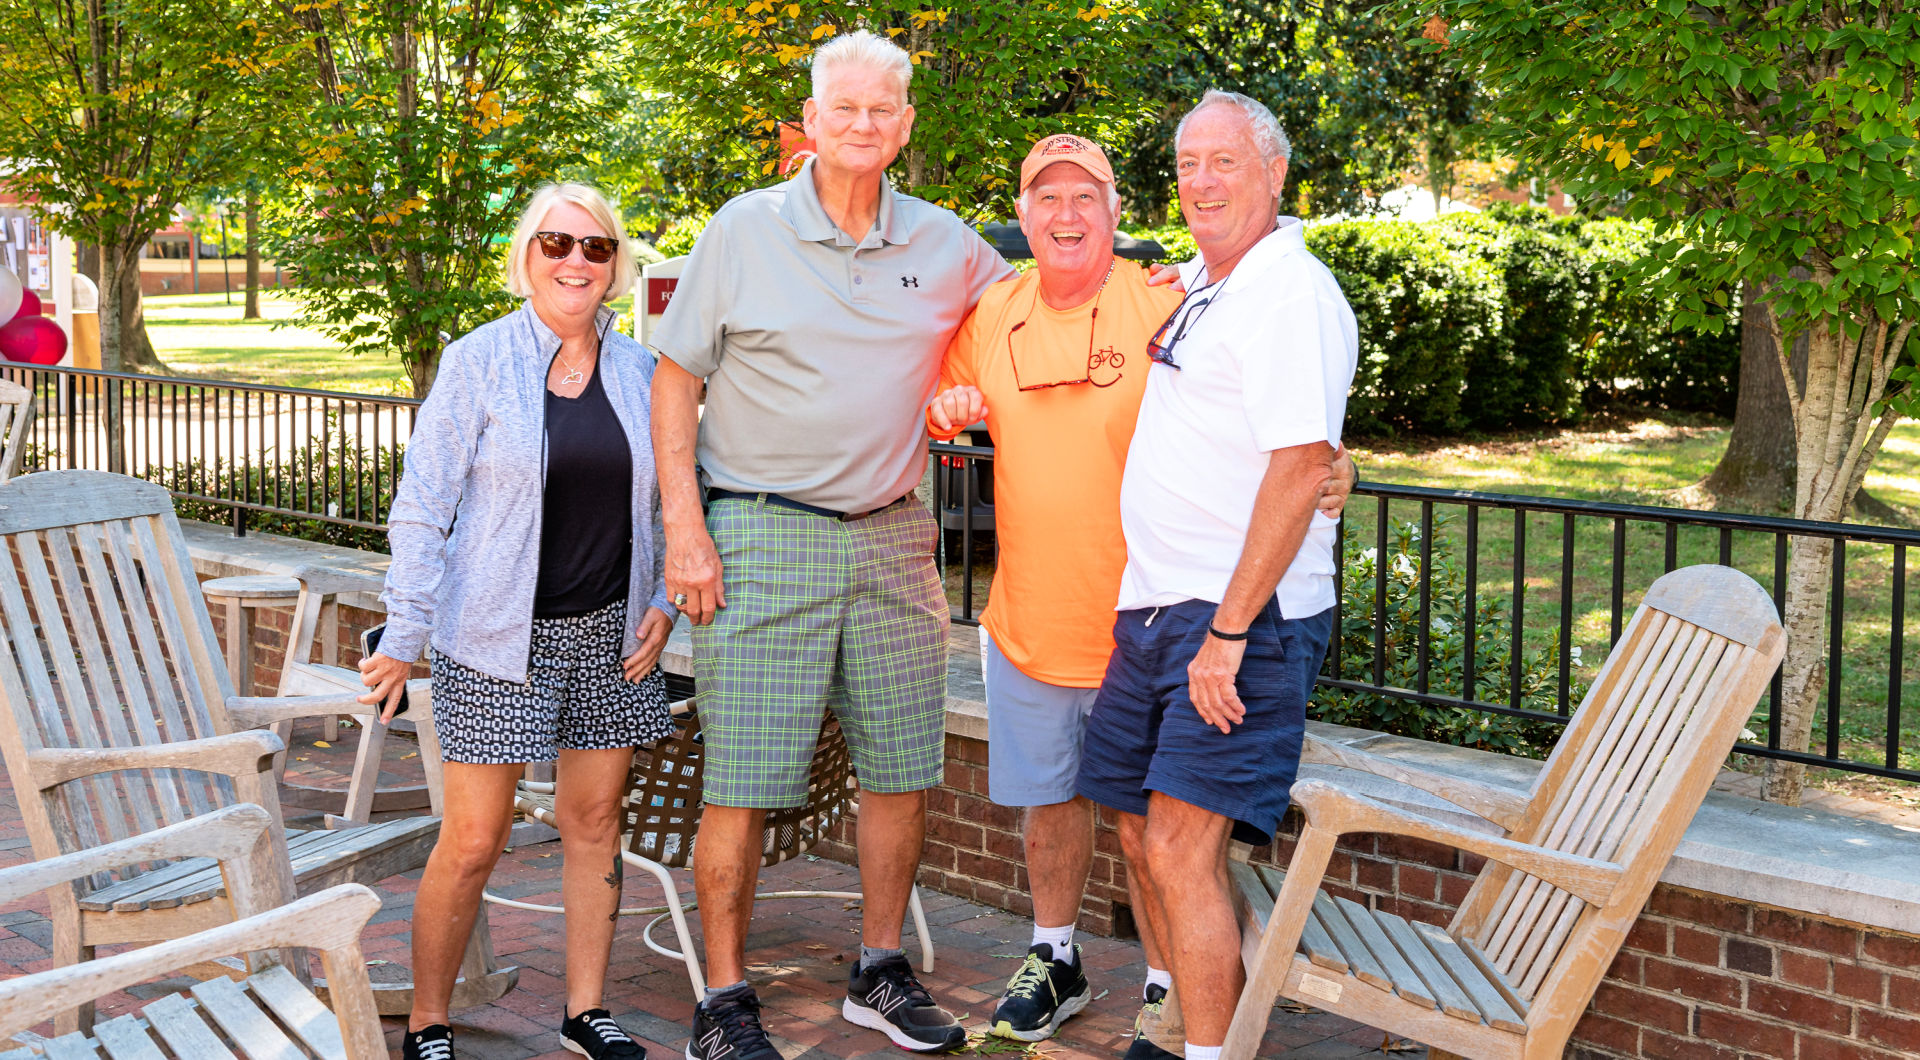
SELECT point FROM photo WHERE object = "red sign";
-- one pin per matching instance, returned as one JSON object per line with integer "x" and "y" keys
{"x": 659, "y": 293}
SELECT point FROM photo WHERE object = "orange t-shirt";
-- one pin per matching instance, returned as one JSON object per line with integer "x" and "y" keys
{"x": 1058, "y": 455}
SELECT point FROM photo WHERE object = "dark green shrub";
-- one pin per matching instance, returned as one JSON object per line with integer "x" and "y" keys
{"x": 313, "y": 479}
{"x": 1446, "y": 655}
{"x": 1635, "y": 354}
{"x": 1425, "y": 312}
{"x": 1632, "y": 353}
{"x": 1531, "y": 376}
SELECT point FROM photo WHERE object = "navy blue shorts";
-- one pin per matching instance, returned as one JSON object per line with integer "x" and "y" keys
{"x": 1144, "y": 734}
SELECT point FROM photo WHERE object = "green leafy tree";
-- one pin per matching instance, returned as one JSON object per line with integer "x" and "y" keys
{"x": 1760, "y": 137}
{"x": 418, "y": 133}
{"x": 990, "y": 79}
{"x": 1361, "y": 108}
{"x": 112, "y": 112}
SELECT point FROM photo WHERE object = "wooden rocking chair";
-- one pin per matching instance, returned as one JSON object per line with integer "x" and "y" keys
{"x": 271, "y": 1012}
{"x": 120, "y": 719}
{"x": 1568, "y": 870}
{"x": 16, "y": 423}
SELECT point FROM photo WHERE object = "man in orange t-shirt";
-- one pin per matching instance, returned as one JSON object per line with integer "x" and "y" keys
{"x": 1055, "y": 360}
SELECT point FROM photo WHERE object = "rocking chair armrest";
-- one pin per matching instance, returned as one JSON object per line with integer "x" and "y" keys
{"x": 258, "y": 712}
{"x": 228, "y": 834}
{"x": 1331, "y": 808}
{"x": 330, "y": 921}
{"x": 235, "y": 754}
{"x": 1504, "y": 808}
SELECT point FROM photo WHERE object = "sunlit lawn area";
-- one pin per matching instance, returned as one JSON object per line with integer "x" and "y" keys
{"x": 202, "y": 336}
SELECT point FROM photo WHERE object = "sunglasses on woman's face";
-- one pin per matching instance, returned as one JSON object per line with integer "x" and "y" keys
{"x": 596, "y": 249}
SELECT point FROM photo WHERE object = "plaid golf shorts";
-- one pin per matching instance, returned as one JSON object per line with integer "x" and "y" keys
{"x": 575, "y": 697}
{"x": 822, "y": 613}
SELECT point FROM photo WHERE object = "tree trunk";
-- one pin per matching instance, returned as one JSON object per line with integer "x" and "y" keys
{"x": 132, "y": 347}
{"x": 252, "y": 311}
{"x": 1758, "y": 466}
{"x": 136, "y": 346}
{"x": 1837, "y": 436}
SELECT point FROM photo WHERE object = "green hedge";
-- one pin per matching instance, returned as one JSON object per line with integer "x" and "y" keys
{"x": 1514, "y": 317}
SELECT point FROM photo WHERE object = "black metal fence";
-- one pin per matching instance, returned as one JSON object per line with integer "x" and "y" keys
{"x": 1555, "y": 581}
{"x": 1472, "y": 602}
{"x": 237, "y": 447}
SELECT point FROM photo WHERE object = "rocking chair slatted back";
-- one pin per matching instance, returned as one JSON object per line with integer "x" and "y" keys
{"x": 1655, "y": 727}
{"x": 107, "y": 649}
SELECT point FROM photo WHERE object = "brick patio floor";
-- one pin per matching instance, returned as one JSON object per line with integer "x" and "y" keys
{"x": 798, "y": 953}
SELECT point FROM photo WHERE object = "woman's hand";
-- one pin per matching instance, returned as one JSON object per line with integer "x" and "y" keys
{"x": 387, "y": 677}
{"x": 956, "y": 409}
{"x": 652, "y": 634}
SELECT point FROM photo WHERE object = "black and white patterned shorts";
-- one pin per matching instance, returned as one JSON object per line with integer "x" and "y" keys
{"x": 575, "y": 697}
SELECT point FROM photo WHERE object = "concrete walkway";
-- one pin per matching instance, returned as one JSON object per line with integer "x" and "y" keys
{"x": 798, "y": 953}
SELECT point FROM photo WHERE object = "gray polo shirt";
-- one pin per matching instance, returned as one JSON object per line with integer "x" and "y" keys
{"x": 820, "y": 351}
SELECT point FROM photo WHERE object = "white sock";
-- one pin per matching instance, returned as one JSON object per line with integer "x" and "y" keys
{"x": 1159, "y": 977}
{"x": 1203, "y": 1052}
{"x": 1059, "y": 938}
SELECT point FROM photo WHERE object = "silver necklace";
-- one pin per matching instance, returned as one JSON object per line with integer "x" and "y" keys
{"x": 574, "y": 373}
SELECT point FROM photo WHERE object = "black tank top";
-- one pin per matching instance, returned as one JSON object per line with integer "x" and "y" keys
{"x": 586, "y": 528}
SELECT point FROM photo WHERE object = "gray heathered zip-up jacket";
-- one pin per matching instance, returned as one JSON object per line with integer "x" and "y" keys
{"x": 465, "y": 524}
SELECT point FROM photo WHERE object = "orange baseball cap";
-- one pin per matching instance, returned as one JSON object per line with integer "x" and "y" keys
{"x": 1066, "y": 147}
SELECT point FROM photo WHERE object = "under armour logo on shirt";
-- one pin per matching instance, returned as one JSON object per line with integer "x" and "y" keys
{"x": 909, "y": 281}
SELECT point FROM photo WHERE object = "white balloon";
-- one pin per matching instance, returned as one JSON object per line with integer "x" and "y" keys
{"x": 9, "y": 294}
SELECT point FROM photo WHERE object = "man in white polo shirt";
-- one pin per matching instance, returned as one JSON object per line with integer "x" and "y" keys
{"x": 1226, "y": 602}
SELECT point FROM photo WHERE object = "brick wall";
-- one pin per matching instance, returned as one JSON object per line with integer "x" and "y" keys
{"x": 1700, "y": 976}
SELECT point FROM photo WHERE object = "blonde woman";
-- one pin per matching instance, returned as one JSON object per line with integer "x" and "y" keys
{"x": 526, "y": 543}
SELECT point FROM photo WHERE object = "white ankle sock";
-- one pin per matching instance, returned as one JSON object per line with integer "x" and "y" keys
{"x": 1203, "y": 1052}
{"x": 1159, "y": 977}
{"x": 1060, "y": 938}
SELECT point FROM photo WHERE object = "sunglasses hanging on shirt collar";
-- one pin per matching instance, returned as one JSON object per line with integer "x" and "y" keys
{"x": 1031, "y": 379}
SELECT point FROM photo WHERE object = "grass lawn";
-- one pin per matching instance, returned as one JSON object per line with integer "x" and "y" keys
{"x": 202, "y": 336}
{"x": 1650, "y": 461}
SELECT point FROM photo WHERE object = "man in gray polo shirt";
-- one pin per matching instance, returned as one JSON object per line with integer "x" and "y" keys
{"x": 816, "y": 313}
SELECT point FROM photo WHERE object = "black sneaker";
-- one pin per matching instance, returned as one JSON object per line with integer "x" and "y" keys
{"x": 730, "y": 1030}
{"x": 431, "y": 1043}
{"x": 887, "y": 998}
{"x": 1143, "y": 1047}
{"x": 593, "y": 1033}
{"x": 1041, "y": 996}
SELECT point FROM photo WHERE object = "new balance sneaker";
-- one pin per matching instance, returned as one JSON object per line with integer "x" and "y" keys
{"x": 1151, "y": 1015}
{"x": 1041, "y": 996}
{"x": 594, "y": 1034}
{"x": 429, "y": 1043}
{"x": 887, "y": 998}
{"x": 730, "y": 1030}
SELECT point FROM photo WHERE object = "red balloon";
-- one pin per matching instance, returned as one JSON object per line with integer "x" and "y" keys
{"x": 29, "y": 305}
{"x": 34, "y": 340}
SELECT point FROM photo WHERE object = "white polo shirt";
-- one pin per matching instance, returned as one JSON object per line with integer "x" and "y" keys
{"x": 1265, "y": 365}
